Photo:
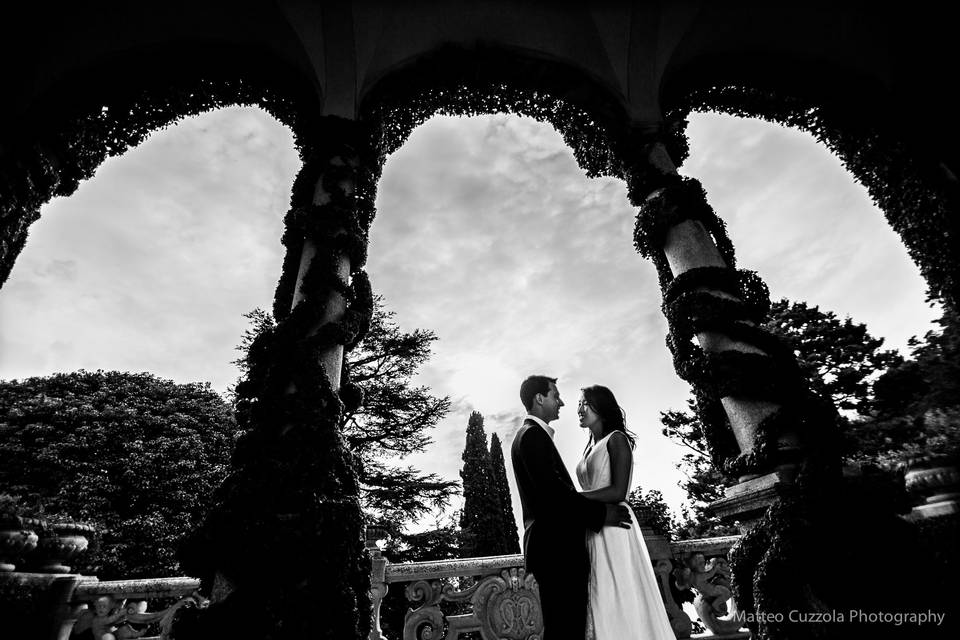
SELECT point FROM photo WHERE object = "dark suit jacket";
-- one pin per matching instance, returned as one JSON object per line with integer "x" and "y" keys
{"x": 555, "y": 516}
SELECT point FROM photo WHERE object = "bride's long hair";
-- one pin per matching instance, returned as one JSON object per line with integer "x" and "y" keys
{"x": 614, "y": 418}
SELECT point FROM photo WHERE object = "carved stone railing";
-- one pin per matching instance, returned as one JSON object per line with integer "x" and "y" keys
{"x": 504, "y": 601}
{"x": 40, "y": 597}
{"x": 184, "y": 590}
{"x": 703, "y": 568}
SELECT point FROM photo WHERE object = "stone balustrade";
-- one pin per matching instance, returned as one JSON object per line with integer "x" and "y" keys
{"x": 40, "y": 596}
{"x": 184, "y": 590}
{"x": 498, "y": 599}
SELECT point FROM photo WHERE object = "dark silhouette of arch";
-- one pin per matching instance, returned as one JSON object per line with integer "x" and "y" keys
{"x": 454, "y": 80}
{"x": 90, "y": 115}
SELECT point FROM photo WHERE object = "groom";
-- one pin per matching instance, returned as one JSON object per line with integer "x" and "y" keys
{"x": 555, "y": 516}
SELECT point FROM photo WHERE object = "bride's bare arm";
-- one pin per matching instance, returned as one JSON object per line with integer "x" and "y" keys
{"x": 620, "y": 459}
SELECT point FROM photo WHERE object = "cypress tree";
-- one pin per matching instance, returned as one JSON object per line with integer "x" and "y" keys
{"x": 481, "y": 519}
{"x": 510, "y": 542}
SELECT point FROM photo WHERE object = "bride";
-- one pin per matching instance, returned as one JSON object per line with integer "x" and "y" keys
{"x": 625, "y": 602}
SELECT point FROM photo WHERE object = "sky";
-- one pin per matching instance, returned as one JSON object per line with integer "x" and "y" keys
{"x": 487, "y": 233}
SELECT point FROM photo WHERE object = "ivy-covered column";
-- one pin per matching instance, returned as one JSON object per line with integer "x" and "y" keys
{"x": 762, "y": 424}
{"x": 743, "y": 377}
{"x": 282, "y": 550}
{"x": 765, "y": 427}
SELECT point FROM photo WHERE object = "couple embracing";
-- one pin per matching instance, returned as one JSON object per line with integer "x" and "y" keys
{"x": 594, "y": 573}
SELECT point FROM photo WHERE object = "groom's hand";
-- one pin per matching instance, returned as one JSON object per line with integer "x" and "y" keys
{"x": 617, "y": 516}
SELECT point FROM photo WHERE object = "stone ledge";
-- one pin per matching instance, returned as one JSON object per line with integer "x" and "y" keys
{"x": 936, "y": 509}
{"x": 408, "y": 571}
{"x": 747, "y": 500}
{"x": 754, "y": 484}
{"x": 707, "y": 546}
{"x": 89, "y": 589}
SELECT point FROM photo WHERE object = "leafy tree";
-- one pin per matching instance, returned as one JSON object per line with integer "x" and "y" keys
{"x": 840, "y": 357}
{"x": 917, "y": 402}
{"x": 393, "y": 421}
{"x": 702, "y": 482}
{"x": 651, "y": 509}
{"x": 481, "y": 519}
{"x": 136, "y": 456}
{"x": 440, "y": 542}
{"x": 930, "y": 379}
{"x": 507, "y": 526}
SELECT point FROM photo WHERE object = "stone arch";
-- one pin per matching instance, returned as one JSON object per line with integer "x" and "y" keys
{"x": 910, "y": 178}
{"x": 454, "y": 80}
{"x": 87, "y": 116}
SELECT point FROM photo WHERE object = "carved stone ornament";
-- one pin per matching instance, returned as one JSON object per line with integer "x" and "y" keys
{"x": 63, "y": 543}
{"x": 504, "y": 607}
{"x": 714, "y": 602}
{"x": 508, "y": 606}
{"x": 183, "y": 590}
{"x": 934, "y": 483}
{"x": 14, "y": 544}
{"x": 426, "y": 621}
{"x": 679, "y": 620}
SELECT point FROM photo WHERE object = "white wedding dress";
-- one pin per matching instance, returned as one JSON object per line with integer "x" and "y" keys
{"x": 625, "y": 602}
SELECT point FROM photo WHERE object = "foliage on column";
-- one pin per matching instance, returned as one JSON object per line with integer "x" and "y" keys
{"x": 508, "y": 521}
{"x": 690, "y": 310}
{"x": 481, "y": 516}
{"x": 769, "y": 561}
{"x": 286, "y": 532}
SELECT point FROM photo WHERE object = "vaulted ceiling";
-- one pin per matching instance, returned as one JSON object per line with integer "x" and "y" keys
{"x": 893, "y": 65}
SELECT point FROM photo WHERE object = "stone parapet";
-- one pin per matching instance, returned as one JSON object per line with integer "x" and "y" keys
{"x": 89, "y": 589}
{"x": 499, "y": 592}
{"x": 458, "y": 567}
{"x": 709, "y": 547}
{"x": 746, "y": 501}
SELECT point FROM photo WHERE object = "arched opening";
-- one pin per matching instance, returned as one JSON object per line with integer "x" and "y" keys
{"x": 915, "y": 188}
{"x": 489, "y": 233}
{"x": 112, "y": 104}
{"x": 799, "y": 218}
{"x": 181, "y": 231}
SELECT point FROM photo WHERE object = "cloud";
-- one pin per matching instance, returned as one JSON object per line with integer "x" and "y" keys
{"x": 65, "y": 270}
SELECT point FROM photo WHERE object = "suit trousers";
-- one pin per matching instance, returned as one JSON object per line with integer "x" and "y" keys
{"x": 564, "y": 599}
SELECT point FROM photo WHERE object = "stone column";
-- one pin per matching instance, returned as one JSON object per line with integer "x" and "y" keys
{"x": 282, "y": 549}
{"x": 689, "y": 246}
{"x": 686, "y": 246}
{"x": 338, "y": 267}
{"x": 762, "y": 423}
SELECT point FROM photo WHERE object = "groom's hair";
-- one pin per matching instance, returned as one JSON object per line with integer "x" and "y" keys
{"x": 532, "y": 386}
